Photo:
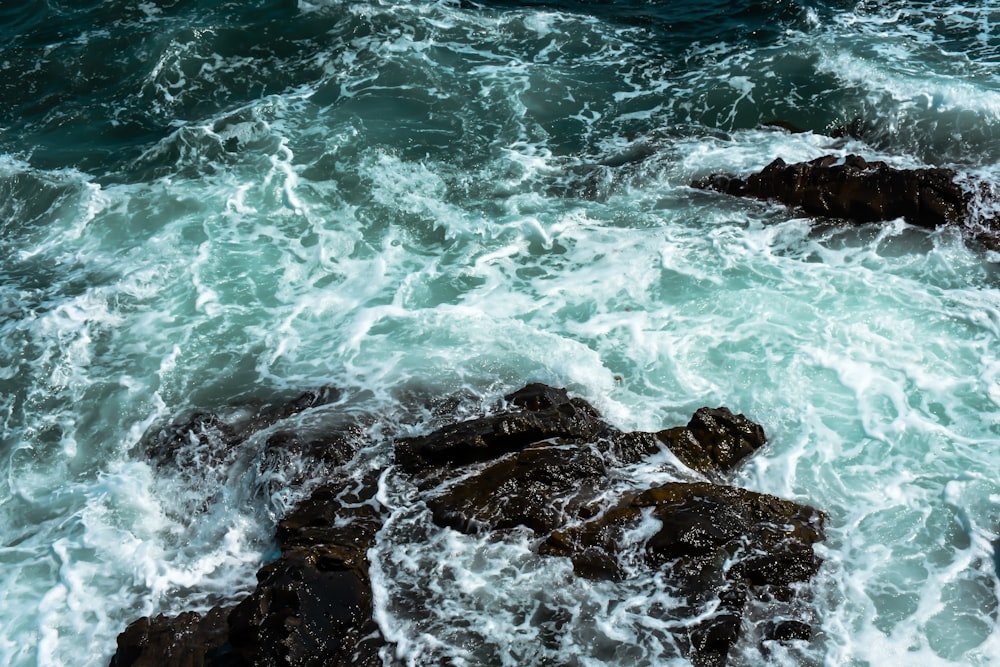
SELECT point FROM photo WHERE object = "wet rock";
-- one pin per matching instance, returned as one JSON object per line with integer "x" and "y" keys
{"x": 632, "y": 447}
{"x": 301, "y": 451}
{"x": 855, "y": 189}
{"x": 206, "y": 439}
{"x": 715, "y": 441}
{"x": 786, "y": 630}
{"x": 712, "y": 638}
{"x": 537, "y": 488}
{"x": 708, "y": 533}
{"x": 540, "y": 457}
{"x": 715, "y": 541}
{"x": 544, "y": 459}
{"x": 539, "y": 413}
{"x": 187, "y": 640}
{"x": 312, "y": 606}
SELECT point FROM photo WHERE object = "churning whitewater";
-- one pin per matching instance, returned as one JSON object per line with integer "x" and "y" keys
{"x": 212, "y": 206}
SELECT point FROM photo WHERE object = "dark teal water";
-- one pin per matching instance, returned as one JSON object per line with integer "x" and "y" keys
{"x": 207, "y": 205}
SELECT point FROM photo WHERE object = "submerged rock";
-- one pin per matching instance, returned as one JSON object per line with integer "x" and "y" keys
{"x": 855, "y": 189}
{"x": 716, "y": 541}
{"x": 205, "y": 439}
{"x": 313, "y": 604}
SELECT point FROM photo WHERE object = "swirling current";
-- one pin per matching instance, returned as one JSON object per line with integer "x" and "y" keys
{"x": 207, "y": 205}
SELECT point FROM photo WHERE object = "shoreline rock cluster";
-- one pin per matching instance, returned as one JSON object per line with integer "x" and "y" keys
{"x": 539, "y": 463}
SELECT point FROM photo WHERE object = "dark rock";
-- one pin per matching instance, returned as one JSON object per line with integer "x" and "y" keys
{"x": 313, "y": 606}
{"x": 300, "y": 452}
{"x": 202, "y": 439}
{"x": 542, "y": 462}
{"x": 709, "y": 533}
{"x": 715, "y": 541}
{"x": 309, "y": 608}
{"x": 544, "y": 414}
{"x": 860, "y": 191}
{"x": 712, "y": 638}
{"x": 786, "y": 630}
{"x": 539, "y": 487}
{"x": 544, "y": 459}
{"x": 187, "y": 640}
{"x": 206, "y": 439}
{"x": 715, "y": 441}
{"x": 631, "y": 447}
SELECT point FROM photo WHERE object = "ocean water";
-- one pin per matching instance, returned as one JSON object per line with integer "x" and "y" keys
{"x": 209, "y": 205}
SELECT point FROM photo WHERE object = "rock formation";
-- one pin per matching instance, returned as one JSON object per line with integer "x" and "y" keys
{"x": 860, "y": 191}
{"x": 721, "y": 544}
{"x": 539, "y": 462}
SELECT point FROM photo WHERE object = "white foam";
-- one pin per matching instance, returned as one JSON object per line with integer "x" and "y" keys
{"x": 940, "y": 93}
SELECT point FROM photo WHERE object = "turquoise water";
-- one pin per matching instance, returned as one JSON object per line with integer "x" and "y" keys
{"x": 209, "y": 205}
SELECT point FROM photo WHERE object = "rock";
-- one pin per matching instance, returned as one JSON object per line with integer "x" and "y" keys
{"x": 187, "y": 640}
{"x": 541, "y": 413}
{"x": 543, "y": 462}
{"x": 206, "y": 439}
{"x": 785, "y": 125}
{"x": 786, "y": 630}
{"x": 541, "y": 457}
{"x": 855, "y": 129}
{"x": 709, "y": 533}
{"x": 544, "y": 459}
{"x": 312, "y": 606}
{"x": 860, "y": 191}
{"x": 298, "y": 452}
{"x": 712, "y": 638}
{"x": 539, "y": 487}
{"x": 715, "y": 441}
{"x": 715, "y": 541}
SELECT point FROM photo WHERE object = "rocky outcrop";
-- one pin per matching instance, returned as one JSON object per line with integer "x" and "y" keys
{"x": 536, "y": 413}
{"x": 186, "y": 640}
{"x": 724, "y": 547}
{"x": 312, "y": 606}
{"x": 715, "y": 441}
{"x": 709, "y": 535}
{"x": 860, "y": 191}
{"x": 547, "y": 458}
{"x": 205, "y": 442}
{"x": 541, "y": 461}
